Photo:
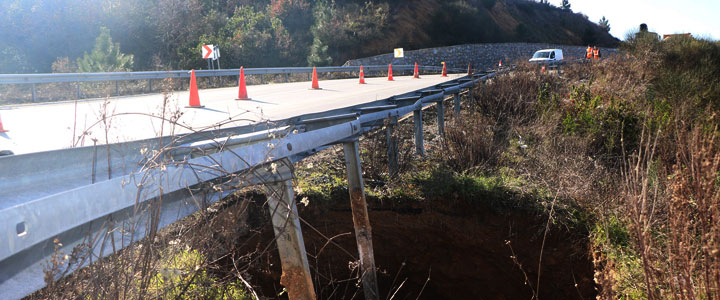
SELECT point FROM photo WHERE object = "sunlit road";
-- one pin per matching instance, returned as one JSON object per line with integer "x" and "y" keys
{"x": 49, "y": 126}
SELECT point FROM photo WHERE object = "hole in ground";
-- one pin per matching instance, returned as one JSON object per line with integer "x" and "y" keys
{"x": 464, "y": 255}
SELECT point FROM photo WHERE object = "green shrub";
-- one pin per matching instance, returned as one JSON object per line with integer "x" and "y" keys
{"x": 609, "y": 124}
{"x": 181, "y": 276}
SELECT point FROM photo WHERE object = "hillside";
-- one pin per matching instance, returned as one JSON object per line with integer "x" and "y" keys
{"x": 162, "y": 34}
{"x": 446, "y": 23}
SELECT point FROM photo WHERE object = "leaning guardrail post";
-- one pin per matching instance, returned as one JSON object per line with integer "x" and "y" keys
{"x": 441, "y": 116}
{"x": 295, "y": 268}
{"x": 419, "y": 144}
{"x": 363, "y": 234}
{"x": 391, "y": 141}
{"x": 457, "y": 105}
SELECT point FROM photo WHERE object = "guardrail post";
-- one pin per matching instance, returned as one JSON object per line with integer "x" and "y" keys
{"x": 457, "y": 105}
{"x": 287, "y": 77}
{"x": 286, "y": 225}
{"x": 262, "y": 78}
{"x": 392, "y": 148}
{"x": 34, "y": 98}
{"x": 441, "y": 116}
{"x": 117, "y": 87}
{"x": 419, "y": 144}
{"x": 471, "y": 100}
{"x": 78, "y": 91}
{"x": 363, "y": 234}
{"x": 149, "y": 85}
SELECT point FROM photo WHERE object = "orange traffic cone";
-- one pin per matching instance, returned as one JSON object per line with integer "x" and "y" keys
{"x": 500, "y": 64}
{"x": 469, "y": 69}
{"x": 390, "y": 78}
{"x": 1, "y": 127}
{"x": 194, "y": 97}
{"x": 444, "y": 71}
{"x": 242, "y": 89}
{"x": 416, "y": 74}
{"x": 315, "y": 84}
{"x": 362, "y": 75}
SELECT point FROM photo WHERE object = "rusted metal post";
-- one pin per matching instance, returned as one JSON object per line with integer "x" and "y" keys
{"x": 363, "y": 234}
{"x": 457, "y": 105}
{"x": 419, "y": 144}
{"x": 295, "y": 268}
{"x": 441, "y": 116}
{"x": 391, "y": 141}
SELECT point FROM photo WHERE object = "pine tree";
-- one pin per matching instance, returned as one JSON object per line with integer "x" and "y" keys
{"x": 565, "y": 5}
{"x": 323, "y": 12}
{"x": 105, "y": 56}
{"x": 604, "y": 24}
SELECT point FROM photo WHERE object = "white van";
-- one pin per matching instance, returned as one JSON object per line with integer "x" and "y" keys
{"x": 547, "y": 56}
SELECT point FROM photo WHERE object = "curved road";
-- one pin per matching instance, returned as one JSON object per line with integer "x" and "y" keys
{"x": 50, "y": 126}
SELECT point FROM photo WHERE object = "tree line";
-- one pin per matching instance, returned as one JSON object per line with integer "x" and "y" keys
{"x": 121, "y": 35}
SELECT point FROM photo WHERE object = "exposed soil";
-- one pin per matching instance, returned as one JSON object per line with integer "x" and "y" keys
{"x": 460, "y": 253}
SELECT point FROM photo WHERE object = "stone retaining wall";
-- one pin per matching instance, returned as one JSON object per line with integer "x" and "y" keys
{"x": 482, "y": 56}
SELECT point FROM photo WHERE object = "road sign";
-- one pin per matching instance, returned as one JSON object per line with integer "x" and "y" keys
{"x": 399, "y": 52}
{"x": 216, "y": 53}
{"x": 207, "y": 51}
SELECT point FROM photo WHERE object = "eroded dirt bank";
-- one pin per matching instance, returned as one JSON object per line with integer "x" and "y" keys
{"x": 461, "y": 252}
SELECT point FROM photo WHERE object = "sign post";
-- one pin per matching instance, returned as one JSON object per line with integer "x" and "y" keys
{"x": 211, "y": 53}
{"x": 399, "y": 53}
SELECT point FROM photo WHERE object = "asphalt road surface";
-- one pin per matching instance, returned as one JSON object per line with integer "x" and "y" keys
{"x": 50, "y": 126}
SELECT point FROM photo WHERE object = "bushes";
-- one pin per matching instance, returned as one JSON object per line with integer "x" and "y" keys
{"x": 469, "y": 142}
{"x": 611, "y": 125}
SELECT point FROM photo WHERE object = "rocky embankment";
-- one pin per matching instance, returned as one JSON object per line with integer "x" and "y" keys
{"x": 482, "y": 56}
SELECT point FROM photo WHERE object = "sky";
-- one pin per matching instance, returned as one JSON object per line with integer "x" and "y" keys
{"x": 699, "y": 17}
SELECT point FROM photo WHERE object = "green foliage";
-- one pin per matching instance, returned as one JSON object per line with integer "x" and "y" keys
{"x": 611, "y": 125}
{"x": 167, "y": 34}
{"x": 181, "y": 276}
{"x": 566, "y": 5}
{"x": 322, "y": 12}
{"x": 344, "y": 31}
{"x": 458, "y": 22}
{"x": 611, "y": 235}
{"x": 691, "y": 72}
{"x": 468, "y": 190}
{"x": 604, "y": 24}
{"x": 105, "y": 56}
{"x": 612, "y": 232}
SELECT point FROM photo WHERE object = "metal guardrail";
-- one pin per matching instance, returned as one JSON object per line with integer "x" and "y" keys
{"x": 34, "y": 79}
{"x": 81, "y": 196}
{"x": 120, "y": 76}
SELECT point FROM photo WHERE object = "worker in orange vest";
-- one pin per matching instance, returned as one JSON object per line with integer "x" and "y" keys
{"x": 596, "y": 53}
{"x": 589, "y": 54}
